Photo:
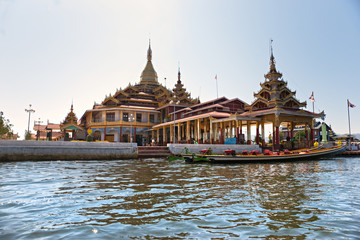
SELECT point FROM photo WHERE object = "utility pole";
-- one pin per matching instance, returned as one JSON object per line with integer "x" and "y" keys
{"x": 30, "y": 110}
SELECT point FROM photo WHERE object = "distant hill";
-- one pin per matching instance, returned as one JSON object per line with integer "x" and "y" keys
{"x": 356, "y": 135}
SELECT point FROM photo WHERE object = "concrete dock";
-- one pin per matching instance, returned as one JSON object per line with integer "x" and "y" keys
{"x": 60, "y": 150}
{"x": 216, "y": 148}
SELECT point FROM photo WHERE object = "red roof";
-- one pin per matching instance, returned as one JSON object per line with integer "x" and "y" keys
{"x": 39, "y": 127}
{"x": 53, "y": 126}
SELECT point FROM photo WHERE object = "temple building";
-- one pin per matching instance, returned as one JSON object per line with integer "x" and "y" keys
{"x": 130, "y": 113}
{"x": 149, "y": 112}
{"x": 275, "y": 104}
{"x": 47, "y": 132}
{"x": 223, "y": 121}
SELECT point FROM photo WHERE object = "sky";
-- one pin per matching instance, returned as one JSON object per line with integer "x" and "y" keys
{"x": 59, "y": 52}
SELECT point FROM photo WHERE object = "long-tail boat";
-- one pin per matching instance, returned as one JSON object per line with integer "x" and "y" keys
{"x": 230, "y": 156}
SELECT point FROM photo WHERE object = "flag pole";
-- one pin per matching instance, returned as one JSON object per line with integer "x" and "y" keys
{"x": 313, "y": 103}
{"x": 217, "y": 92}
{"x": 349, "y": 124}
{"x": 349, "y": 117}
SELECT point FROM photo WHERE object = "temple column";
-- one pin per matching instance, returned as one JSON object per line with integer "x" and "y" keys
{"x": 306, "y": 135}
{"x": 237, "y": 132}
{"x": 216, "y": 133}
{"x": 102, "y": 135}
{"x": 182, "y": 131}
{"x": 205, "y": 133}
{"x": 248, "y": 130}
{"x": 179, "y": 133}
{"x": 103, "y": 116}
{"x": 221, "y": 140}
{"x": 164, "y": 136}
{"x": 195, "y": 131}
{"x": 277, "y": 135}
{"x": 192, "y": 131}
{"x": 211, "y": 132}
{"x": 121, "y": 137}
{"x": 171, "y": 134}
{"x": 198, "y": 131}
{"x": 257, "y": 133}
{"x": 158, "y": 136}
{"x": 273, "y": 134}
{"x": 240, "y": 128}
{"x": 288, "y": 131}
{"x": 227, "y": 129}
{"x": 263, "y": 133}
{"x": 276, "y": 123}
{"x": 188, "y": 137}
{"x": 116, "y": 137}
{"x": 230, "y": 129}
{"x": 292, "y": 126}
{"x": 312, "y": 131}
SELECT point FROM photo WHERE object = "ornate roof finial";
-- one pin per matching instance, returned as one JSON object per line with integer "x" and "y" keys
{"x": 272, "y": 59}
{"x": 179, "y": 75}
{"x": 72, "y": 105}
{"x": 149, "y": 53}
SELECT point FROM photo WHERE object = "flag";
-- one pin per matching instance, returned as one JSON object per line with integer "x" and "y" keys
{"x": 312, "y": 97}
{"x": 216, "y": 77}
{"x": 350, "y": 104}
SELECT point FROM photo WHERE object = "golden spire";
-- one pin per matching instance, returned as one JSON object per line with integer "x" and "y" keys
{"x": 272, "y": 59}
{"x": 179, "y": 76}
{"x": 149, "y": 53}
{"x": 149, "y": 75}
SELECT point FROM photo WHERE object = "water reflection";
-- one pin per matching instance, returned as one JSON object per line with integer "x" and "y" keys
{"x": 253, "y": 194}
{"x": 157, "y": 199}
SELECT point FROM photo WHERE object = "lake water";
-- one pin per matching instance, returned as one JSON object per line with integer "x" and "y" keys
{"x": 155, "y": 199}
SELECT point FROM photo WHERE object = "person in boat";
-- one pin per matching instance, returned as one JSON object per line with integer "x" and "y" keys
{"x": 292, "y": 143}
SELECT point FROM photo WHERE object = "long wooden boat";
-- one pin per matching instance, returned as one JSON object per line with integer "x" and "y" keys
{"x": 280, "y": 156}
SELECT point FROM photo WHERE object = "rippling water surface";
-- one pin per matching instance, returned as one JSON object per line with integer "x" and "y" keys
{"x": 155, "y": 199}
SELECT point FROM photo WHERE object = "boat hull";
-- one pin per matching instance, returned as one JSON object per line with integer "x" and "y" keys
{"x": 266, "y": 158}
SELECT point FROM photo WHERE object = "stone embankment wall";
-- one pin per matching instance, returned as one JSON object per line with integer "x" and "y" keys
{"x": 60, "y": 150}
{"x": 216, "y": 148}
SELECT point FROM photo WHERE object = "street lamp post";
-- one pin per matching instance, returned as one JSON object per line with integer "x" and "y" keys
{"x": 30, "y": 110}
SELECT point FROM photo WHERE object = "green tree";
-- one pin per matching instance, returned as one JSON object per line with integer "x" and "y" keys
{"x": 300, "y": 134}
{"x": 27, "y": 135}
{"x": 5, "y": 127}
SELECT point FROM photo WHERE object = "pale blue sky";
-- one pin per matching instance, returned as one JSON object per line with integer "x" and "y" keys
{"x": 56, "y": 52}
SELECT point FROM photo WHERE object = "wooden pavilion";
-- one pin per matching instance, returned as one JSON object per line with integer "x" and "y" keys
{"x": 69, "y": 125}
{"x": 222, "y": 120}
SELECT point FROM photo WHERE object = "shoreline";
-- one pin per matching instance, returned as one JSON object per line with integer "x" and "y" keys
{"x": 60, "y": 150}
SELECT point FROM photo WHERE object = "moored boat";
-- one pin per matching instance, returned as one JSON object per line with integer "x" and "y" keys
{"x": 266, "y": 156}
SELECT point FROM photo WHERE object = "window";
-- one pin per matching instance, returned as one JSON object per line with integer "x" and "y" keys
{"x": 138, "y": 117}
{"x": 97, "y": 117}
{"x": 152, "y": 118}
{"x": 110, "y": 117}
{"x": 126, "y": 117}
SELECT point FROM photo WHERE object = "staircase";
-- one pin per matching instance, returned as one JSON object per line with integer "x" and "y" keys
{"x": 153, "y": 152}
